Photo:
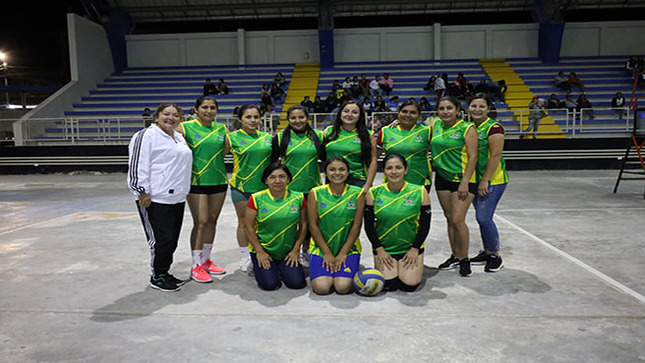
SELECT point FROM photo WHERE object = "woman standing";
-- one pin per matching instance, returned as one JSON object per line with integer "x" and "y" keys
{"x": 159, "y": 177}
{"x": 207, "y": 140}
{"x": 276, "y": 224}
{"x": 349, "y": 138}
{"x": 335, "y": 213}
{"x": 454, "y": 154}
{"x": 397, "y": 222}
{"x": 492, "y": 180}
{"x": 251, "y": 151}
{"x": 410, "y": 140}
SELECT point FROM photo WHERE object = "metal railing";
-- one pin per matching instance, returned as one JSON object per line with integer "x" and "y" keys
{"x": 73, "y": 130}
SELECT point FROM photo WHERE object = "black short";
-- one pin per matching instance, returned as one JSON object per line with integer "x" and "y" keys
{"x": 399, "y": 256}
{"x": 208, "y": 189}
{"x": 443, "y": 184}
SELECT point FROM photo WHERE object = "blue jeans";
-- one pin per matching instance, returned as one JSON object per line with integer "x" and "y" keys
{"x": 484, "y": 211}
{"x": 293, "y": 277}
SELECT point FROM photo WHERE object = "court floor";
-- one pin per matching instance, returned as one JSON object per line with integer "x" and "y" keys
{"x": 74, "y": 263}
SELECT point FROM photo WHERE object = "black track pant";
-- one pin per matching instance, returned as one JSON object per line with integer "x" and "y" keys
{"x": 162, "y": 224}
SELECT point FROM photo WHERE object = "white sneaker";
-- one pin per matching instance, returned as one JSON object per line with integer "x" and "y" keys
{"x": 304, "y": 259}
{"x": 246, "y": 264}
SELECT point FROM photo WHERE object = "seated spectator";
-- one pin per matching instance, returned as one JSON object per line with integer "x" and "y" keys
{"x": 584, "y": 106}
{"x": 481, "y": 87}
{"x": 463, "y": 86}
{"x": 575, "y": 81}
{"x": 331, "y": 102}
{"x": 367, "y": 105}
{"x": 430, "y": 85}
{"x": 561, "y": 81}
{"x": 492, "y": 112}
{"x": 209, "y": 88}
{"x": 146, "y": 116}
{"x": 440, "y": 85}
{"x": 569, "y": 103}
{"x": 354, "y": 88}
{"x": 554, "y": 102}
{"x": 393, "y": 104}
{"x": 265, "y": 97}
{"x": 279, "y": 79}
{"x": 222, "y": 87}
{"x": 318, "y": 105}
{"x": 307, "y": 104}
{"x": 380, "y": 105}
{"x": 278, "y": 94}
{"x": 347, "y": 85}
{"x": 498, "y": 90}
{"x": 375, "y": 87}
{"x": 424, "y": 104}
{"x": 364, "y": 85}
{"x": 192, "y": 115}
{"x": 618, "y": 103}
{"x": 335, "y": 86}
{"x": 386, "y": 84}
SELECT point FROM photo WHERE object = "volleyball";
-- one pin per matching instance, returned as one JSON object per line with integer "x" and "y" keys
{"x": 369, "y": 281}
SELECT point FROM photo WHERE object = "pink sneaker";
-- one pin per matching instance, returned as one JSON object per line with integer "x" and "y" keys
{"x": 200, "y": 275}
{"x": 212, "y": 268}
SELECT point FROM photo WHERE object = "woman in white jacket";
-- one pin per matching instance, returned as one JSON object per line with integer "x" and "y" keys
{"x": 159, "y": 170}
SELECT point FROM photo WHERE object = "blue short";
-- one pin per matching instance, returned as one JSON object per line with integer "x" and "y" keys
{"x": 316, "y": 268}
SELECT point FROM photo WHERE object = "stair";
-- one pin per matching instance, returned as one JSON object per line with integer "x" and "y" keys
{"x": 518, "y": 96}
{"x": 304, "y": 82}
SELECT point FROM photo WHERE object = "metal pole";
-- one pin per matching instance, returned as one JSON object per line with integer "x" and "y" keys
{"x": 6, "y": 83}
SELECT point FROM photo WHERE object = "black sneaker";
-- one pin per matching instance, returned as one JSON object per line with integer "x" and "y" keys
{"x": 464, "y": 267}
{"x": 494, "y": 264}
{"x": 480, "y": 259}
{"x": 163, "y": 283}
{"x": 450, "y": 263}
{"x": 177, "y": 281}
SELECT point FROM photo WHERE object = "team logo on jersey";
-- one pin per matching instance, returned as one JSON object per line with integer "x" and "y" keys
{"x": 267, "y": 141}
{"x": 220, "y": 137}
{"x": 290, "y": 143}
{"x": 455, "y": 135}
{"x": 357, "y": 140}
{"x": 408, "y": 201}
{"x": 351, "y": 204}
{"x": 264, "y": 210}
{"x": 197, "y": 136}
{"x": 379, "y": 202}
{"x": 243, "y": 143}
{"x": 391, "y": 139}
{"x": 419, "y": 138}
{"x": 294, "y": 209}
{"x": 323, "y": 205}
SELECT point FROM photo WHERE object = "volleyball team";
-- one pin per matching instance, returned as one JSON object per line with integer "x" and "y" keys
{"x": 287, "y": 215}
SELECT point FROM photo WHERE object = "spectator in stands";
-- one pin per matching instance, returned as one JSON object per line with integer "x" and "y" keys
{"x": 277, "y": 94}
{"x": 554, "y": 102}
{"x": 430, "y": 85}
{"x": 266, "y": 95}
{"x": 584, "y": 106}
{"x": 536, "y": 113}
{"x": 575, "y": 81}
{"x": 424, "y": 104}
{"x": 367, "y": 106}
{"x": 440, "y": 86}
{"x": 336, "y": 86}
{"x": 618, "y": 103}
{"x": 497, "y": 90}
{"x": 375, "y": 88}
{"x": 354, "y": 87}
{"x": 347, "y": 85}
{"x": 386, "y": 84}
{"x": 192, "y": 114}
{"x": 569, "y": 103}
{"x": 147, "y": 117}
{"x": 463, "y": 86}
{"x": 364, "y": 85}
{"x": 279, "y": 79}
{"x": 481, "y": 87}
{"x": 222, "y": 87}
{"x": 318, "y": 105}
{"x": 393, "y": 104}
{"x": 634, "y": 65}
{"x": 307, "y": 104}
{"x": 561, "y": 81}
{"x": 380, "y": 105}
{"x": 209, "y": 88}
{"x": 331, "y": 102}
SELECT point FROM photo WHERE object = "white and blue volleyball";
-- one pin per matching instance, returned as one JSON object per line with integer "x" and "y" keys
{"x": 369, "y": 281}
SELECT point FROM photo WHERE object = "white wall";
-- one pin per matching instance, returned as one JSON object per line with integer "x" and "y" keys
{"x": 380, "y": 44}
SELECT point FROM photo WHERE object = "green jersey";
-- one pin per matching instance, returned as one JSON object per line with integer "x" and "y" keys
{"x": 251, "y": 155}
{"x": 414, "y": 146}
{"x": 397, "y": 216}
{"x": 500, "y": 176}
{"x": 276, "y": 221}
{"x": 301, "y": 157}
{"x": 207, "y": 145}
{"x": 335, "y": 218}
{"x": 348, "y": 146}
{"x": 448, "y": 147}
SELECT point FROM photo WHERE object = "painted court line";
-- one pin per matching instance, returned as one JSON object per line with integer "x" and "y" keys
{"x": 38, "y": 223}
{"x": 567, "y": 256}
{"x": 528, "y": 210}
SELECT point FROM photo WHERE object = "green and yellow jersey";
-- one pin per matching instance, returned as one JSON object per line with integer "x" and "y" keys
{"x": 207, "y": 145}
{"x": 500, "y": 176}
{"x": 301, "y": 157}
{"x": 251, "y": 155}
{"x": 448, "y": 146}
{"x": 414, "y": 146}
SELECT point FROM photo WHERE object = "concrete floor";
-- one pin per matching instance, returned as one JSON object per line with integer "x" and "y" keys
{"x": 75, "y": 288}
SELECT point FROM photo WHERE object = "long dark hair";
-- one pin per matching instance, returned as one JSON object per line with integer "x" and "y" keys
{"x": 286, "y": 136}
{"x": 361, "y": 129}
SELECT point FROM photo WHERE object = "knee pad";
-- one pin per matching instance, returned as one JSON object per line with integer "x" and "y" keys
{"x": 407, "y": 288}
{"x": 391, "y": 285}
